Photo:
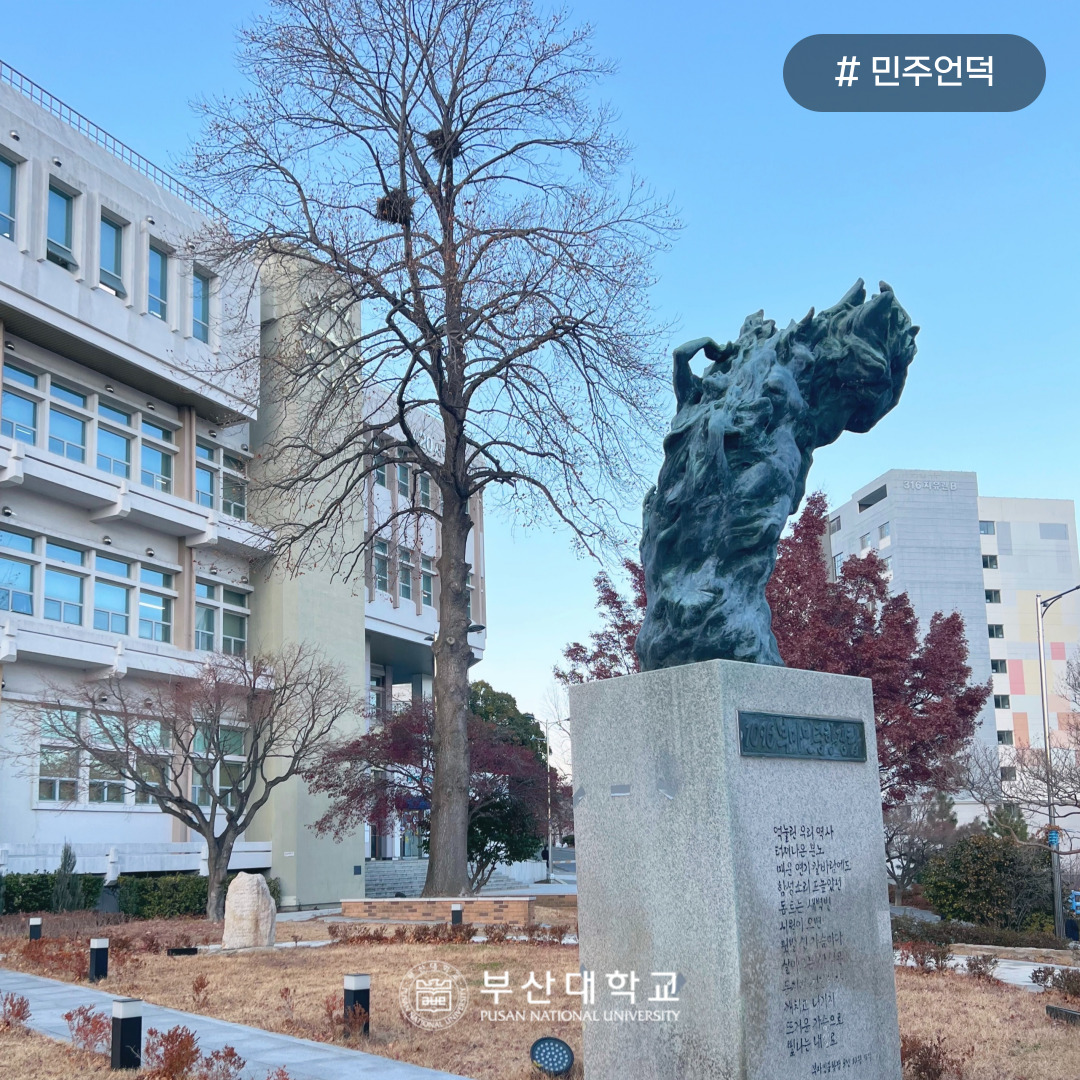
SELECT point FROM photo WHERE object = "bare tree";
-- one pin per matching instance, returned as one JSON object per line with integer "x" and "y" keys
{"x": 442, "y": 169}
{"x": 207, "y": 748}
{"x": 1017, "y": 777}
{"x": 915, "y": 831}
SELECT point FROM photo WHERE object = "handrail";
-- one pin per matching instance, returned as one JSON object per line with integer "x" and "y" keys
{"x": 52, "y": 104}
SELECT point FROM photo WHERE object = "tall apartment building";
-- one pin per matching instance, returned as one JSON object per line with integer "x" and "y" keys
{"x": 125, "y": 549}
{"x": 952, "y": 549}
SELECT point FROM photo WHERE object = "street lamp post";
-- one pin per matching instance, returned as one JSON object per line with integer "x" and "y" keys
{"x": 1041, "y": 608}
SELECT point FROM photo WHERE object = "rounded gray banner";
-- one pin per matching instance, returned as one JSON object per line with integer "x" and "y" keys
{"x": 914, "y": 73}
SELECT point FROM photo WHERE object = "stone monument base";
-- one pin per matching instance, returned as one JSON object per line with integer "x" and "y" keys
{"x": 727, "y": 822}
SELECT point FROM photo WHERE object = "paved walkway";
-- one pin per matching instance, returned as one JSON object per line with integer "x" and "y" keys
{"x": 263, "y": 1050}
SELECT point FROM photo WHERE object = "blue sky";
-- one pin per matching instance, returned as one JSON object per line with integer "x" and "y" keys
{"x": 972, "y": 218}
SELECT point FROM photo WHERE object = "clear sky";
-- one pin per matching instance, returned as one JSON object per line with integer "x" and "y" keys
{"x": 972, "y": 218}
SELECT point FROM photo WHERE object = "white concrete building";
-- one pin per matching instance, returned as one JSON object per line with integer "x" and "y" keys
{"x": 952, "y": 549}
{"x": 125, "y": 435}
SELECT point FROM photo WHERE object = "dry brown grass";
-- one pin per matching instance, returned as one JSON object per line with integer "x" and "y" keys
{"x": 1002, "y": 1030}
{"x": 25, "y": 1055}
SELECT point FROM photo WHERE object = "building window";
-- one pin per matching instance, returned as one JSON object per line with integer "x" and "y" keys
{"x": 1005, "y": 737}
{"x": 427, "y": 582}
{"x": 883, "y": 531}
{"x": 200, "y": 307}
{"x": 986, "y": 528}
{"x": 996, "y": 630}
{"x": 67, "y": 433}
{"x": 63, "y": 597}
{"x": 151, "y": 771}
{"x": 404, "y": 572}
{"x": 230, "y": 774}
{"x": 380, "y": 469}
{"x": 112, "y": 257}
{"x": 58, "y": 230}
{"x": 403, "y": 481}
{"x": 834, "y": 525}
{"x": 106, "y": 783}
{"x": 110, "y": 607}
{"x": 424, "y": 483}
{"x": 990, "y": 562}
{"x": 158, "y": 283}
{"x": 104, "y": 564}
{"x": 233, "y": 487}
{"x": 155, "y": 617}
{"x": 204, "y": 486}
{"x": 204, "y": 628}
{"x": 864, "y": 541}
{"x": 113, "y": 453}
{"x": 19, "y": 418}
{"x": 999, "y": 667}
{"x": 58, "y": 775}
{"x": 1008, "y": 772}
{"x": 380, "y": 566}
{"x": 16, "y": 585}
{"x": 1002, "y": 701}
{"x": 468, "y": 596}
{"x": 63, "y": 553}
{"x": 993, "y": 596}
{"x": 156, "y": 470}
{"x": 837, "y": 563}
{"x": 7, "y": 199}
{"x": 202, "y": 783}
{"x": 233, "y": 633}
{"x": 886, "y": 565}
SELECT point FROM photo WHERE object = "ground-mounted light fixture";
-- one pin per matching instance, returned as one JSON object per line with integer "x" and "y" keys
{"x": 552, "y": 1056}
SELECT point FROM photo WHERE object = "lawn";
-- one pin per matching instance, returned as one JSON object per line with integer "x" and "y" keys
{"x": 1000, "y": 1032}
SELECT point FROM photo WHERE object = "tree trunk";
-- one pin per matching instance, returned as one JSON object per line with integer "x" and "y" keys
{"x": 218, "y": 853}
{"x": 448, "y": 864}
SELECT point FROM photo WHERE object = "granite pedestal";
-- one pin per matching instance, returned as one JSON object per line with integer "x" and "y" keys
{"x": 727, "y": 821}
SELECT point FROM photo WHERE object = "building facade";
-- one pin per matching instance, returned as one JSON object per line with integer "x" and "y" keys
{"x": 951, "y": 549}
{"x": 126, "y": 431}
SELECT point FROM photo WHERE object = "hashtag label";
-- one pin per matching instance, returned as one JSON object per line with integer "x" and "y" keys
{"x": 847, "y": 74}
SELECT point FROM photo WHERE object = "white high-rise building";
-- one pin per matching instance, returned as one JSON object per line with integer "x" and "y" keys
{"x": 951, "y": 549}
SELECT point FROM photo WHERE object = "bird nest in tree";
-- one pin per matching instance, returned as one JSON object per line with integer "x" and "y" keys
{"x": 394, "y": 207}
{"x": 443, "y": 146}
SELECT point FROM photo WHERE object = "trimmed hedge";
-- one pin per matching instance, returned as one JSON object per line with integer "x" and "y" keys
{"x": 946, "y": 932}
{"x": 166, "y": 896}
{"x": 34, "y": 892}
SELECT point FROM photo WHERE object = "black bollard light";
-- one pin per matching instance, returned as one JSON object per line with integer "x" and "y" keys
{"x": 127, "y": 1033}
{"x": 358, "y": 993}
{"x": 35, "y": 929}
{"x": 99, "y": 958}
{"x": 455, "y": 914}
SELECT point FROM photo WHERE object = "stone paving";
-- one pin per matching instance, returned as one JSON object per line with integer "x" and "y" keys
{"x": 264, "y": 1051}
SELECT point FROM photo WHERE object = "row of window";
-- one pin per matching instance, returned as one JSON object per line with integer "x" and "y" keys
{"x": 59, "y": 245}
{"x": 406, "y": 570}
{"x": 403, "y": 480}
{"x": 82, "y": 587}
{"x": 882, "y": 537}
{"x": 68, "y": 776}
{"x": 838, "y": 562}
{"x": 86, "y": 426}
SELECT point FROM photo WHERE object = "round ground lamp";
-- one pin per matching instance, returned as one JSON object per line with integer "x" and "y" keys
{"x": 552, "y": 1056}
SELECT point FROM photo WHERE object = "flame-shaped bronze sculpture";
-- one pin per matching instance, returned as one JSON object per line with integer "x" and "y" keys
{"x": 736, "y": 461}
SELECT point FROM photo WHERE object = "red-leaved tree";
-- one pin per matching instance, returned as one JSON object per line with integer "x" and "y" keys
{"x": 610, "y": 651}
{"x": 389, "y": 771}
{"x": 925, "y": 703}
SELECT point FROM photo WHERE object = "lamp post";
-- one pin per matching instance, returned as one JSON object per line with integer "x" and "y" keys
{"x": 1041, "y": 608}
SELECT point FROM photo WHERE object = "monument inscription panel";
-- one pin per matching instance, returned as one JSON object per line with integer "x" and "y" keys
{"x": 773, "y": 735}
